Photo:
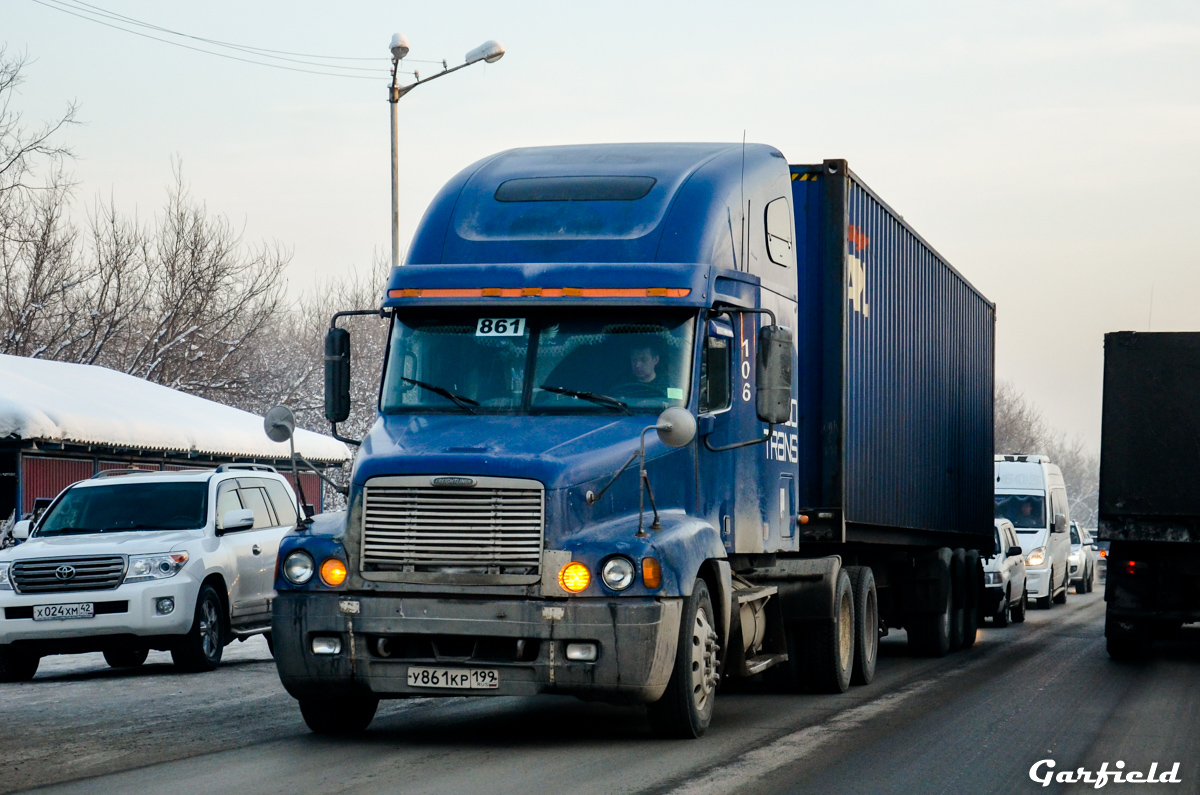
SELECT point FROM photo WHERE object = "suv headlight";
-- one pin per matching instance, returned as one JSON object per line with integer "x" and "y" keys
{"x": 154, "y": 567}
{"x": 5, "y": 582}
{"x": 1037, "y": 557}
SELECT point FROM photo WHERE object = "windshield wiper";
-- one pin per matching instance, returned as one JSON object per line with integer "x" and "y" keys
{"x": 464, "y": 403}
{"x": 600, "y": 400}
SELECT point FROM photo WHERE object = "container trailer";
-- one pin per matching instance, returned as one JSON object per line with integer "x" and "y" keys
{"x": 651, "y": 417}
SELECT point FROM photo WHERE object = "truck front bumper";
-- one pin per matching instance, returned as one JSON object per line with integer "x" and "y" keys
{"x": 523, "y": 640}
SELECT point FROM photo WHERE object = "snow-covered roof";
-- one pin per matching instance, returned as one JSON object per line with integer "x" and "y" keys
{"x": 64, "y": 402}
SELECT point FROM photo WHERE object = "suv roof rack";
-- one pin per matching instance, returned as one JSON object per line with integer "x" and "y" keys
{"x": 112, "y": 473}
{"x": 251, "y": 467}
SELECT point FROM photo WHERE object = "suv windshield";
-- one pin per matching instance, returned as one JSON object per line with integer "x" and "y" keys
{"x": 128, "y": 506}
{"x": 553, "y": 360}
{"x": 1025, "y": 511}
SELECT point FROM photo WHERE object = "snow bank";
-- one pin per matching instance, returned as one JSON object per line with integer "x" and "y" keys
{"x": 85, "y": 403}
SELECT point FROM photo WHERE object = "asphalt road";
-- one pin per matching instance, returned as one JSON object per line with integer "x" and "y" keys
{"x": 971, "y": 722}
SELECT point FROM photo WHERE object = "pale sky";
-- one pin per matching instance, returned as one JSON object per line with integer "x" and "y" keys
{"x": 1048, "y": 149}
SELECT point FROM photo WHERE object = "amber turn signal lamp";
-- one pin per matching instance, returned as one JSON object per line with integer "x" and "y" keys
{"x": 574, "y": 577}
{"x": 333, "y": 572}
{"x": 803, "y": 519}
{"x": 651, "y": 573}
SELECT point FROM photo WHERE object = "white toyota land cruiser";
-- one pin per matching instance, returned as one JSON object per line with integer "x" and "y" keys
{"x": 131, "y": 561}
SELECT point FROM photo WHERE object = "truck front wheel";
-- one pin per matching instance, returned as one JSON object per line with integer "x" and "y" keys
{"x": 340, "y": 716}
{"x": 686, "y": 707}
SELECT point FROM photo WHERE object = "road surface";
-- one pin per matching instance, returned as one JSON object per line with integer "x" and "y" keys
{"x": 971, "y": 722}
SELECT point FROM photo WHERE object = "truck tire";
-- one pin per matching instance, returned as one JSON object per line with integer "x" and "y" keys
{"x": 958, "y": 591}
{"x": 827, "y": 649}
{"x": 866, "y": 623}
{"x": 200, "y": 650}
{"x": 686, "y": 707}
{"x": 339, "y": 717}
{"x": 974, "y": 598}
{"x": 1018, "y": 612}
{"x": 1127, "y": 641}
{"x": 1000, "y": 619}
{"x": 17, "y": 666}
{"x": 125, "y": 658}
{"x": 929, "y": 633}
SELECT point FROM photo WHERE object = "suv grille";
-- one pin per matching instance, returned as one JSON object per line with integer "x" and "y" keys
{"x": 51, "y": 575}
{"x": 455, "y": 531}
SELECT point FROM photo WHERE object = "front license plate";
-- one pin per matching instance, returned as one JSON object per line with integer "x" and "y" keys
{"x": 455, "y": 678}
{"x": 61, "y": 612}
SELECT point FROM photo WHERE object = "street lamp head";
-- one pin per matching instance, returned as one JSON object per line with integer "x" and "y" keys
{"x": 490, "y": 51}
{"x": 399, "y": 46}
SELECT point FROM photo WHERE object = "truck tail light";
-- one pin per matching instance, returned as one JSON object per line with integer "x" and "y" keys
{"x": 1136, "y": 566}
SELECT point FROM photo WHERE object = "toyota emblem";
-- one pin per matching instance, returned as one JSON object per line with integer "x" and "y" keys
{"x": 65, "y": 572}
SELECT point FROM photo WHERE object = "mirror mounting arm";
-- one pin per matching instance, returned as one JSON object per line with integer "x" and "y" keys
{"x": 722, "y": 448}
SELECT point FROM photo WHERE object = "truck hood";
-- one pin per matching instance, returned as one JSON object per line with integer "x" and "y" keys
{"x": 558, "y": 451}
{"x": 133, "y": 543}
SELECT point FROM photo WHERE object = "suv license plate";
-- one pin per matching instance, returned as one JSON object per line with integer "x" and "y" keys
{"x": 454, "y": 678}
{"x": 62, "y": 612}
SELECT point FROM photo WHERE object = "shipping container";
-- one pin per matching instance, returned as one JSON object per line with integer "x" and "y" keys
{"x": 896, "y": 351}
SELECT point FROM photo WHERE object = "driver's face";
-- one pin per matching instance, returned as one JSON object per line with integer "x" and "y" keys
{"x": 642, "y": 362}
{"x": 1026, "y": 509}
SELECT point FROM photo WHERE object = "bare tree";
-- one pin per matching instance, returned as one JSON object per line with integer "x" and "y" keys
{"x": 22, "y": 148}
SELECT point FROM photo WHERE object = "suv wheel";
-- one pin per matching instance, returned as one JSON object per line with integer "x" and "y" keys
{"x": 17, "y": 666}
{"x": 200, "y": 649}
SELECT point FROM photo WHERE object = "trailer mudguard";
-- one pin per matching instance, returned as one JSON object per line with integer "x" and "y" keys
{"x": 806, "y": 586}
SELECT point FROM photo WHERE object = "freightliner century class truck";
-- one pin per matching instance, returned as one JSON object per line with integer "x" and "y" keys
{"x": 1149, "y": 499}
{"x": 651, "y": 417}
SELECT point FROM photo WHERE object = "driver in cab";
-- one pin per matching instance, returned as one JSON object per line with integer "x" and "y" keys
{"x": 642, "y": 379}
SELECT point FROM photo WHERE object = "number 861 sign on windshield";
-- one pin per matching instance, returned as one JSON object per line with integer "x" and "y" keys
{"x": 500, "y": 327}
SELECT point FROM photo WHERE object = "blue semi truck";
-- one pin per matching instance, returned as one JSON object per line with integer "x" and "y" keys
{"x": 651, "y": 417}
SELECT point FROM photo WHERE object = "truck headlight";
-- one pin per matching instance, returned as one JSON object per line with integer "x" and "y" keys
{"x": 154, "y": 567}
{"x": 298, "y": 567}
{"x": 5, "y": 582}
{"x": 1037, "y": 557}
{"x": 617, "y": 573}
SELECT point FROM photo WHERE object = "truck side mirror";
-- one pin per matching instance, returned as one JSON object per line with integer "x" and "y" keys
{"x": 337, "y": 375}
{"x": 21, "y": 529}
{"x": 774, "y": 375}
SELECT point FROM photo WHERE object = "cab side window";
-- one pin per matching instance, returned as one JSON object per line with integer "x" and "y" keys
{"x": 779, "y": 232}
{"x": 716, "y": 363}
{"x": 227, "y": 500}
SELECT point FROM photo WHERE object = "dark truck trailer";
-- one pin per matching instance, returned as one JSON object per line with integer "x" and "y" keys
{"x": 1149, "y": 500}
{"x": 813, "y": 383}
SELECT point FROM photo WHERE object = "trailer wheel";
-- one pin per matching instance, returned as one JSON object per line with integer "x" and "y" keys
{"x": 974, "y": 593}
{"x": 1127, "y": 641}
{"x": 929, "y": 633}
{"x": 17, "y": 666}
{"x": 1018, "y": 612}
{"x": 339, "y": 717}
{"x": 958, "y": 589}
{"x": 827, "y": 647}
{"x": 866, "y": 623}
{"x": 686, "y": 707}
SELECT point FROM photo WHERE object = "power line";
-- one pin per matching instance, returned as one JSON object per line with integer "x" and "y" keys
{"x": 117, "y": 22}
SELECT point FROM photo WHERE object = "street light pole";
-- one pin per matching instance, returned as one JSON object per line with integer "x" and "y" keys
{"x": 489, "y": 52}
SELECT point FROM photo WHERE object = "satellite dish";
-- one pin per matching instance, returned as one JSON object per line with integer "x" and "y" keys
{"x": 279, "y": 423}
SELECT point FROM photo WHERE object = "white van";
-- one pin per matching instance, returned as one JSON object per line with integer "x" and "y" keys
{"x": 1031, "y": 493}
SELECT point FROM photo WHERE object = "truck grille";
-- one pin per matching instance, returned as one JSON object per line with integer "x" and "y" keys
{"x": 481, "y": 530}
{"x": 68, "y": 574}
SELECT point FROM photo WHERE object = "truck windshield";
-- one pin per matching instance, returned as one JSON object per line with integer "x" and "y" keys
{"x": 122, "y": 507}
{"x": 1025, "y": 511}
{"x": 555, "y": 360}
